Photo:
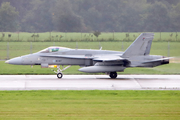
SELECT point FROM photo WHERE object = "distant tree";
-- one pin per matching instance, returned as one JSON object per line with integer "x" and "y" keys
{"x": 169, "y": 1}
{"x": 175, "y": 17}
{"x": 64, "y": 18}
{"x": 89, "y": 15}
{"x": 8, "y": 18}
{"x": 156, "y": 18}
{"x": 130, "y": 18}
{"x": 39, "y": 18}
{"x": 97, "y": 33}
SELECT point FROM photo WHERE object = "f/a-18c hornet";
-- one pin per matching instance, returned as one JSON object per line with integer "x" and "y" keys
{"x": 96, "y": 61}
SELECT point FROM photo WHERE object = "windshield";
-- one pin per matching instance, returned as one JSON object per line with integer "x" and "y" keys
{"x": 53, "y": 49}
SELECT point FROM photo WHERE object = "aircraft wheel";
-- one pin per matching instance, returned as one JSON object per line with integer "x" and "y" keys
{"x": 59, "y": 75}
{"x": 113, "y": 75}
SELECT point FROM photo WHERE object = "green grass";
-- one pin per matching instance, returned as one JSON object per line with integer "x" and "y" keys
{"x": 55, "y": 36}
{"x": 90, "y": 105}
{"x": 14, "y": 49}
{"x": 7, "y": 69}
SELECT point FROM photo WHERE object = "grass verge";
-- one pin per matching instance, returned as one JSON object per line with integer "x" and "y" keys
{"x": 15, "y": 49}
{"x": 156, "y": 105}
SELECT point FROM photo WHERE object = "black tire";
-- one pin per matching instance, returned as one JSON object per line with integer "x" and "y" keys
{"x": 59, "y": 75}
{"x": 113, "y": 75}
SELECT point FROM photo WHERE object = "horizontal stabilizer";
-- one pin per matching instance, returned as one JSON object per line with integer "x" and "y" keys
{"x": 158, "y": 60}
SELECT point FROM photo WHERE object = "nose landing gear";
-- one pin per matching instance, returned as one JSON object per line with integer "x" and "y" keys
{"x": 59, "y": 71}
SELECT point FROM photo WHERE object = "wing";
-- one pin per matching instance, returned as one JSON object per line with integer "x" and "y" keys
{"x": 112, "y": 60}
{"x": 107, "y": 63}
{"x": 107, "y": 58}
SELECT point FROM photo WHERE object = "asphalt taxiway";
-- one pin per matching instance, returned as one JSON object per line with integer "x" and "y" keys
{"x": 89, "y": 82}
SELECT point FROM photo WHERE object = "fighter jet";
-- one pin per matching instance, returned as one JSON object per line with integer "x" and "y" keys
{"x": 96, "y": 61}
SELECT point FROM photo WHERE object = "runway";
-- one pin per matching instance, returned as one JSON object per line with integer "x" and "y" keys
{"x": 89, "y": 82}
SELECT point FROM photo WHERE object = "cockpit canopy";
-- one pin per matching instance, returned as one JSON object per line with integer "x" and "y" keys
{"x": 53, "y": 49}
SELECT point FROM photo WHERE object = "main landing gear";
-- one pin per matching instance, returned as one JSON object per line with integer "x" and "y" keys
{"x": 59, "y": 71}
{"x": 113, "y": 75}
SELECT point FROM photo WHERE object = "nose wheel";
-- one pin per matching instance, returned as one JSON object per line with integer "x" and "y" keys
{"x": 59, "y": 75}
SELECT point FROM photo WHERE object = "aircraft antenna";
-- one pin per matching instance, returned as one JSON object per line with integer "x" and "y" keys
{"x": 8, "y": 50}
{"x": 31, "y": 48}
{"x": 168, "y": 49}
{"x": 100, "y": 47}
{"x": 122, "y": 46}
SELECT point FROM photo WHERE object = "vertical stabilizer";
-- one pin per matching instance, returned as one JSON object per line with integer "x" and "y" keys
{"x": 141, "y": 46}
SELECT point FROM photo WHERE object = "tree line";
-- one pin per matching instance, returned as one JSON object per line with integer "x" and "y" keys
{"x": 90, "y": 15}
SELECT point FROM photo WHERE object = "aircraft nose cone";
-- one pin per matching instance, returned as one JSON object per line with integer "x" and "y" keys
{"x": 7, "y": 61}
{"x": 15, "y": 61}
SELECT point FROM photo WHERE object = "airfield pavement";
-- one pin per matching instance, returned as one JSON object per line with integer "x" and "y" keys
{"x": 89, "y": 82}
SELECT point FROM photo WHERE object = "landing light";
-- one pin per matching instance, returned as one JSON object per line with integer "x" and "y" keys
{"x": 52, "y": 66}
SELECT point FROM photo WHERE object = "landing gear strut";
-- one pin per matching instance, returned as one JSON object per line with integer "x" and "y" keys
{"x": 59, "y": 71}
{"x": 113, "y": 75}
